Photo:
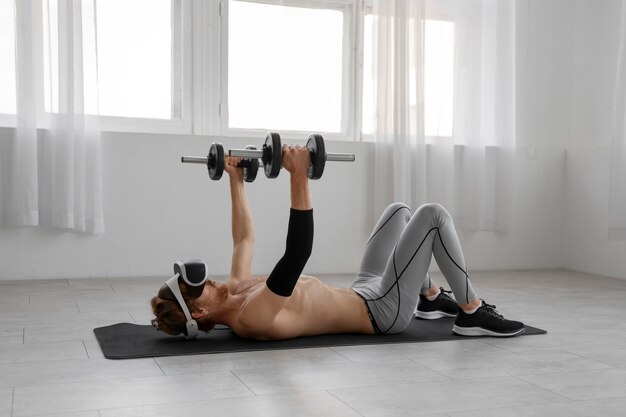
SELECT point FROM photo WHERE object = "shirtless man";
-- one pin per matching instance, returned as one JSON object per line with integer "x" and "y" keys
{"x": 394, "y": 273}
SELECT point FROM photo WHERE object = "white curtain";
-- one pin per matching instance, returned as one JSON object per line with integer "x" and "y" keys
{"x": 470, "y": 169}
{"x": 51, "y": 163}
{"x": 617, "y": 193}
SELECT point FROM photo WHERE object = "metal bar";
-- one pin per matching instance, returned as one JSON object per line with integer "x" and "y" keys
{"x": 194, "y": 159}
{"x": 251, "y": 154}
{"x": 340, "y": 157}
{"x": 245, "y": 153}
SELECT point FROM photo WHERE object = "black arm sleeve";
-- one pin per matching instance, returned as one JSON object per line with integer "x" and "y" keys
{"x": 285, "y": 274}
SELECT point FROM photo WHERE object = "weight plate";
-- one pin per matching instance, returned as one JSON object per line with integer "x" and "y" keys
{"x": 272, "y": 155}
{"x": 315, "y": 145}
{"x": 251, "y": 167}
{"x": 215, "y": 163}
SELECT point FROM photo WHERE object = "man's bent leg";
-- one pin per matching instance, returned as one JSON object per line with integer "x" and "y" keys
{"x": 449, "y": 256}
{"x": 430, "y": 231}
{"x": 382, "y": 241}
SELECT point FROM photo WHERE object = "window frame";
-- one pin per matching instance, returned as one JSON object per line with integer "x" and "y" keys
{"x": 200, "y": 72}
{"x": 367, "y": 7}
{"x": 347, "y": 132}
{"x": 181, "y": 121}
{"x": 10, "y": 119}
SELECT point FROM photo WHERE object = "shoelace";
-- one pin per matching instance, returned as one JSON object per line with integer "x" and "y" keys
{"x": 445, "y": 293}
{"x": 491, "y": 309}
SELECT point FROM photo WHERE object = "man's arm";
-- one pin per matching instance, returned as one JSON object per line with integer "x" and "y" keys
{"x": 242, "y": 223}
{"x": 263, "y": 306}
{"x": 299, "y": 244}
{"x": 300, "y": 192}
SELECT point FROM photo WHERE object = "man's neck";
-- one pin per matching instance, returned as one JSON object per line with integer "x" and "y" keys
{"x": 227, "y": 312}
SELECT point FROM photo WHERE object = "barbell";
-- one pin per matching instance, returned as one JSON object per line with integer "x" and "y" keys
{"x": 269, "y": 156}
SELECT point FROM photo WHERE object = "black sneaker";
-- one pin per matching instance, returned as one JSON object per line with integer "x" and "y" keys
{"x": 486, "y": 321}
{"x": 442, "y": 306}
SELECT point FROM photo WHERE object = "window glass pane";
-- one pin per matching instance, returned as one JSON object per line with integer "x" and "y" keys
{"x": 135, "y": 58}
{"x": 285, "y": 67}
{"x": 7, "y": 58}
{"x": 439, "y": 78}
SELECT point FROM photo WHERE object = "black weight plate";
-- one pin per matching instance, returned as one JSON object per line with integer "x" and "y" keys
{"x": 251, "y": 168}
{"x": 315, "y": 145}
{"x": 273, "y": 155}
{"x": 215, "y": 162}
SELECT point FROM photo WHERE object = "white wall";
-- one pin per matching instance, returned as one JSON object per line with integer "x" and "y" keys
{"x": 586, "y": 246}
{"x": 158, "y": 210}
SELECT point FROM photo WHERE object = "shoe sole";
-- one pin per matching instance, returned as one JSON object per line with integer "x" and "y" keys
{"x": 432, "y": 315}
{"x": 479, "y": 331}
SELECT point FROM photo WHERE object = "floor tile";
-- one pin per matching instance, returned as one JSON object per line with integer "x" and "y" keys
{"x": 576, "y": 369}
{"x": 612, "y": 407}
{"x": 93, "y": 347}
{"x": 613, "y": 357}
{"x": 74, "y": 330}
{"x": 328, "y": 376}
{"x": 42, "y": 352}
{"x": 84, "y": 396}
{"x": 174, "y": 365}
{"x": 413, "y": 351}
{"x": 11, "y": 336}
{"x": 87, "y": 413}
{"x": 304, "y": 404}
{"x": 141, "y": 316}
{"x": 12, "y": 302}
{"x": 113, "y": 305}
{"x": 481, "y": 365}
{"x": 27, "y": 287}
{"x": 6, "y": 402}
{"x": 66, "y": 371}
{"x": 584, "y": 385}
{"x": 411, "y": 399}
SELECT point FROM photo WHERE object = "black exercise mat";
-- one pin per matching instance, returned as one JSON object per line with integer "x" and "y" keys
{"x": 126, "y": 340}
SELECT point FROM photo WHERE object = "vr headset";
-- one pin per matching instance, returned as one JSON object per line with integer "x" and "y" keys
{"x": 192, "y": 274}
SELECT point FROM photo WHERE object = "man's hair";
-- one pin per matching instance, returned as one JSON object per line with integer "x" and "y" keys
{"x": 169, "y": 316}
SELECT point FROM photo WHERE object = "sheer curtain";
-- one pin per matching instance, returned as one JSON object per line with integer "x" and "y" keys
{"x": 51, "y": 162}
{"x": 469, "y": 170}
{"x": 617, "y": 193}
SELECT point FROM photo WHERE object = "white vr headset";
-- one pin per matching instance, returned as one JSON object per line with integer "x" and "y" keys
{"x": 192, "y": 274}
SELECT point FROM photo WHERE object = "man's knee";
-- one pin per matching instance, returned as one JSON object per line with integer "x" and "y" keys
{"x": 394, "y": 207}
{"x": 433, "y": 211}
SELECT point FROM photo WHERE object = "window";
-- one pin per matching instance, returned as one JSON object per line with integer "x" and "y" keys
{"x": 439, "y": 50}
{"x": 286, "y": 67}
{"x": 252, "y": 66}
{"x": 134, "y": 71}
{"x": 8, "y": 104}
{"x": 135, "y": 66}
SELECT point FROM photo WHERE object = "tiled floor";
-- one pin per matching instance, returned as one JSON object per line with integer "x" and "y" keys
{"x": 50, "y": 362}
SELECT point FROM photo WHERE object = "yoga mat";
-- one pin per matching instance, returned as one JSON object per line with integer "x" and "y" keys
{"x": 127, "y": 340}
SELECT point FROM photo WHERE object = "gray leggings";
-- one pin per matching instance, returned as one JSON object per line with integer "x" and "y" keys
{"x": 394, "y": 269}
